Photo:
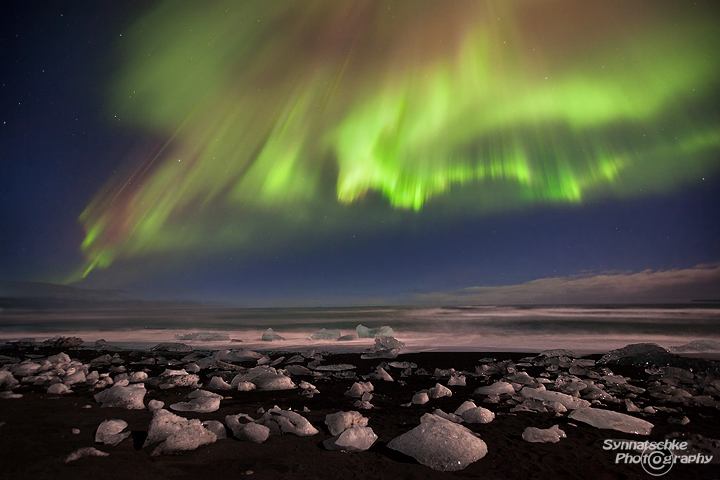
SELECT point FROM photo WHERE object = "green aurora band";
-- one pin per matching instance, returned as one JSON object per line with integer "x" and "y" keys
{"x": 284, "y": 121}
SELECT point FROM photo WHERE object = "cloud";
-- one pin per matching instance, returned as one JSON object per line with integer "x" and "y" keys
{"x": 701, "y": 282}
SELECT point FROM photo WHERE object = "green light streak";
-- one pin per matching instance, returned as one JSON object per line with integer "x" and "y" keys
{"x": 281, "y": 115}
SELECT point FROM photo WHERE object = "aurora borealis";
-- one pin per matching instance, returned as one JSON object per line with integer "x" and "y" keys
{"x": 261, "y": 129}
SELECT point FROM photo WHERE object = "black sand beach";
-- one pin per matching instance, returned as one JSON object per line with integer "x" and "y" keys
{"x": 36, "y": 430}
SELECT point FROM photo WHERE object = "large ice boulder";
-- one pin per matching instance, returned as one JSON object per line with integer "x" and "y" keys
{"x": 110, "y": 432}
{"x": 130, "y": 397}
{"x": 341, "y": 421}
{"x": 284, "y": 421}
{"x": 440, "y": 444}
{"x": 385, "y": 347}
{"x": 190, "y": 437}
{"x": 543, "y": 435}
{"x": 176, "y": 433}
{"x": 611, "y": 420}
{"x": 355, "y": 439}
{"x": 364, "y": 332}
{"x": 201, "y": 401}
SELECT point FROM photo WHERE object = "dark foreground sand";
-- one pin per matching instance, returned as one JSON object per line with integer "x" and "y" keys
{"x": 36, "y": 434}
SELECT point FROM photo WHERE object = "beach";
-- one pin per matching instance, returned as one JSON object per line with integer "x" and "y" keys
{"x": 37, "y": 435}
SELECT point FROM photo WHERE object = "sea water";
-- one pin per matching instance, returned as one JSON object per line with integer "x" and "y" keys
{"x": 584, "y": 329}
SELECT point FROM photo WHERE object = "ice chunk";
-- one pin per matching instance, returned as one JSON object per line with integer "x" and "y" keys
{"x": 201, "y": 401}
{"x": 269, "y": 336}
{"x": 385, "y": 331}
{"x": 439, "y": 391}
{"x": 7, "y": 380}
{"x": 448, "y": 416}
{"x": 217, "y": 383}
{"x": 245, "y": 386}
{"x": 203, "y": 336}
{"x": 58, "y": 389}
{"x": 539, "y": 435}
{"x": 85, "y": 452}
{"x": 381, "y": 374}
{"x": 110, "y": 432}
{"x": 456, "y": 381}
{"x": 284, "y": 421}
{"x": 359, "y": 388}
{"x": 59, "y": 358}
{"x": 497, "y": 388}
{"x": 440, "y": 444}
{"x": 247, "y": 432}
{"x": 154, "y": 405}
{"x": 547, "y": 396}
{"x": 174, "y": 379}
{"x": 237, "y": 356}
{"x": 611, "y": 420}
{"x": 137, "y": 377}
{"x": 466, "y": 405}
{"x": 24, "y": 369}
{"x": 130, "y": 397}
{"x": 63, "y": 342}
{"x": 273, "y": 381}
{"x": 420, "y": 398}
{"x": 385, "y": 347}
{"x": 74, "y": 378}
{"x": 478, "y": 415}
{"x": 324, "y": 334}
{"x": 190, "y": 437}
{"x": 341, "y": 421}
{"x": 355, "y": 439}
{"x": 216, "y": 427}
{"x": 364, "y": 332}
{"x": 522, "y": 378}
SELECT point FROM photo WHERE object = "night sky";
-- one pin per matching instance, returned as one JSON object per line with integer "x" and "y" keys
{"x": 362, "y": 152}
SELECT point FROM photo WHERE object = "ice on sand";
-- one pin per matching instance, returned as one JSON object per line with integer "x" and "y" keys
{"x": 355, "y": 439}
{"x": 216, "y": 427}
{"x": 611, "y": 420}
{"x": 478, "y": 415}
{"x": 385, "y": 347}
{"x": 217, "y": 383}
{"x": 324, "y": 334}
{"x": 269, "y": 336}
{"x": 341, "y": 421}
{"x": 201, "y": 401}
{"x": 176, "y": 433}
{"x": 359, "y": 388}
{"x": 110, "y": 432}
{"x": 497, "y": 388}
{"x": 284, "y": 421}
{"x": 546, "y": 435}
{"x": 247, "y": 432}
{"x": 85, "y": 452}
{"x": 440, "y": 444}
{"x": 546, "y": 396}
{"x": 130, "y": 397}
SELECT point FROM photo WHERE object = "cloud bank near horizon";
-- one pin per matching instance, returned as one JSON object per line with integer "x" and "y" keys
{"x": 701, "y": 282}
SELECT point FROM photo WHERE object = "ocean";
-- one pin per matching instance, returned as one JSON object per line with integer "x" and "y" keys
{"x": 583, "y": 329}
